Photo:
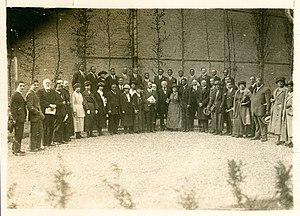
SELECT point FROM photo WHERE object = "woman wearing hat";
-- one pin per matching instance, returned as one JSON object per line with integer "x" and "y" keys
{"x": 78, "y": 111}
{"x": 287, "y": 120}
{"x": 174, "y": 116}
{"x": 126, "y": 110}
{"x": 241, "y": 111}
{"x": 277, "y": 101}
{"x": 137, "y": 103}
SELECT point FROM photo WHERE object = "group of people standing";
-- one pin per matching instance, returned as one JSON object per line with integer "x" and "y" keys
{"x": 135, "y": 103}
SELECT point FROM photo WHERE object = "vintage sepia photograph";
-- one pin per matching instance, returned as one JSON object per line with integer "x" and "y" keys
{"x": 150, "y": 109}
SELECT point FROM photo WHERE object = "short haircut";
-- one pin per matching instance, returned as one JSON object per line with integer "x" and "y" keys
{"x": 19, "y": 82}
{"x": 34, "y": 81}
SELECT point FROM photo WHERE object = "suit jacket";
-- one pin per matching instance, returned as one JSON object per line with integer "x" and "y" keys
{"x": 18, "y": 107}
{"x": 94, "y": 81}
{"x": 190, "y": 79}
{"x": 138, "y": 80}
{"x": 34, "y": 108}
{"x": 89, "y": 102}
{"x": 126, "y": 78}
{"x": 171, "y": 81}
{"x": 186, "y": 95}
{"x": 145, "y": 83}
{"x": 146, "y": 95}
{"x": 61, "y": 110}
{"x": 46, "y": 98}
{"x": 229, "y": 98}
{"x": 137, "y": 102}
{"x": 252, "y": 88}
{"x": 217, "y": 100}
{"x": 260, "y": 101}
{"x": 206, "y": 78}
{"x": 162, "y": 105}
{"x": 231, "y": 79}
{"x": 126, "y": 106}
{"x": 100, "y": 104}
{"x": 109, "y": 81}
{"x": 78, "y": 78}
{"x": 203, "y": 96}
{"x": 179, "y": 81}
{"x": 194, "y": 96}
{"x": 113, "y": 103}
{"x": 158, "y": 81}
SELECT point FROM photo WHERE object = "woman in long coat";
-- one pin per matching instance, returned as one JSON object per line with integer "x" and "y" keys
{"x": 241, "y": 111}
{"x": 287, "y": 118}
{"x": 137, "y": 102}
{"x": 77, "y": 104}
{"x": 126, "y": 110}
{"x": 277, "y": 101}
{"x": 174, "y": 117}
{"x": 101, "y": 105}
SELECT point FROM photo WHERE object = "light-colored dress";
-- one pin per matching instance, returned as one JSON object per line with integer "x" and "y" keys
{"x": 174, "y": 117}
{"x": 77, "y": 102}
{"x": 287, "y": 119}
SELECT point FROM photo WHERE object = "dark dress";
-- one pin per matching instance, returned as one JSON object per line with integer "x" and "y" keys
{"x": 101, "y": 107}
{"x": 89, "y": 103}
{"x": 137, "y": 102}
{"x": 127, "y": 111}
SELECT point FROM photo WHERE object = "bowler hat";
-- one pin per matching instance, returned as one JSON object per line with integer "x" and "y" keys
{"x": 102, "y": 72}
{"x": 87, "y": 83}
{"x": 278, "y": 79}
{"x": 206, "y": 111}
{"x": 126, "y": 86}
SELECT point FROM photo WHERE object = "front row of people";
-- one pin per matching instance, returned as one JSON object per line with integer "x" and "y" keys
{"x": 55, "y": 115}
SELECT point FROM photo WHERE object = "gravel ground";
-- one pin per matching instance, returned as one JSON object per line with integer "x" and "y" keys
{"x": 152, "y": 167}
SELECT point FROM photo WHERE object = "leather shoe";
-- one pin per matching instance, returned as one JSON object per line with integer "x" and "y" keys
{"x": 255, "y": 138}
{"x": 264, "y": 140}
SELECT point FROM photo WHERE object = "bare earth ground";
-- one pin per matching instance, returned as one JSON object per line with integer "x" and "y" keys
{"x": 152, "y": 166}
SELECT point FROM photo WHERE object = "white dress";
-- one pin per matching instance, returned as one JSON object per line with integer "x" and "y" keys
{"x": 77, "y": 102}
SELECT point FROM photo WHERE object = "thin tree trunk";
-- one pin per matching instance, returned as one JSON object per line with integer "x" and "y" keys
{"x": 224, "y": 42}
{"x": 33, "y": 51}
{"x": 108, "y": 38}
{"x": 228, "y": 41}
{"x": 233, "y": 45}
{"x": 207, "y": 39}
{"x": 85, "y": 42}
{"x": 58, "y": 46}
{"x": 135, "y": 38}
{"x": 182, "y": 39}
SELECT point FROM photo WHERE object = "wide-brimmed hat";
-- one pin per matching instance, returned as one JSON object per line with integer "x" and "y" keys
{"x": 102, "y": 72}
{"x": 126, "y": 86}
{"x": 206, "y": 111}
{"x": 266, "y": 119}
{"x": 278, "y": 79}
{"x": 87, "y": 83}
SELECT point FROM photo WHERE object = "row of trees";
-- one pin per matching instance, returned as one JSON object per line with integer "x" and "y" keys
{"x": 84, "y": 34}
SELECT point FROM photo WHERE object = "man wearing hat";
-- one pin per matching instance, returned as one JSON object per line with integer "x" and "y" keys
{"x": 79, "y": 77}
{"x": 277, "y": 105}
{"x": 126, "y": 110}
{"x": 260, "y": 107}
{"x": 287, "y": 120}
{"x": 90, "y": 108}
{"x": 113, "y": 109}
{"x": 217, "y": 106}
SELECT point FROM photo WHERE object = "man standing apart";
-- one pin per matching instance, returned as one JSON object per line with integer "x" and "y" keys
{"x": 19, "y": 113}
{"x": 47, "y": 101}
{"x": 35, "y": 116}
{"x": 260, "y": 107}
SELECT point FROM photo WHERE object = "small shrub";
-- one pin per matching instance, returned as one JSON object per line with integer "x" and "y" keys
{"x": 120, "y": 193}
{"x": 187, "y": 196}
{"x": 283, "y": 191}
{"x": 60, "y": 195}
{"x": 236, "y": 178}
{"x": 10, "y": 196}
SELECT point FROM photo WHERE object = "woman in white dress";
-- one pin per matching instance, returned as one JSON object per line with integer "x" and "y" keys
{"x": 78, "y": 110}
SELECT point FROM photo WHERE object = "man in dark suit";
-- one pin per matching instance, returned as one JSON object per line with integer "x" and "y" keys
{"x": 35, "y": 116}
{"x": 229, "y": 100}
{"x": 252, "y": 87}
{"x": 69, "y": 123}
{"x": 92, "y": 77}
{"x": 79, "y": 77}
{"x": 162, "y": 104}
{"x": 227, "y": 77}
{"x": 204, "y": 76}
{"x": 217, "y": 106}
{"x": 260, "y": 107}
{"x": 127, "y": 112}
{"x": 180, "y": 77}
{"x": 159, "y": 78}
{"x": 121, "y": 85}
{"x": 186, "y": 105}
{"x": 195, "y": 90}
{"x": 47, "y": 101}
{"x": 113, "y": 109}
{"x": 150, "y": 100}
{"x": 18, "y": 113}
{"x": 191, "y": 77}
{"x": 111, "y": 79}
{"x": 252, "y": 82}
{"x": 61, "y": 113}
{"x": 136, "y": 78}
{"x": 202, "y": 101}
{"x": 146, "y": 81}
{"x": 214, "y": 74}
{"x": 170, "y": 79}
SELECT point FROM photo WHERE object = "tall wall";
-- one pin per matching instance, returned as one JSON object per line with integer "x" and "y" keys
{"x": 195, "y": 43}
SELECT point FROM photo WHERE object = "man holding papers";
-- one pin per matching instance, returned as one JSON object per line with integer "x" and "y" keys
{"x": 150, "y": 98}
